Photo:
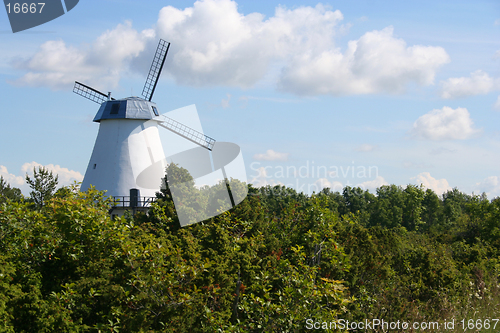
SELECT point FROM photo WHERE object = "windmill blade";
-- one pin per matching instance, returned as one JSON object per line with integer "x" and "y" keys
{"x": 188, "y": 133}
{"x": 155, "y": 70}
{"x": 90, "y": 93}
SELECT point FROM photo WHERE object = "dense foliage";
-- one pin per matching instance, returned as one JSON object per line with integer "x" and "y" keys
{"x": 276, "y": 260}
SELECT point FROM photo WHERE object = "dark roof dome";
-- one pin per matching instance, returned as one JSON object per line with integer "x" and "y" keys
{"x": 127, "y": 108}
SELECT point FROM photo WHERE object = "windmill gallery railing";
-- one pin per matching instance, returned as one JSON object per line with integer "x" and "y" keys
{"x": 131, "y": 201}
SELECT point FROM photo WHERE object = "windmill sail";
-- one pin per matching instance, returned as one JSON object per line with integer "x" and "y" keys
{"x": 188, "y": 133}
{"x": 90, "y": 93}
{"x": 155, "y": 70}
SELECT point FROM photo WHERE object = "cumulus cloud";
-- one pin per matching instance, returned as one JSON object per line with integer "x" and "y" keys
{"x": 322, "y": 183}
{"x": 214, "y": 44}
{"x": 100, "y": 64}
{"x": 13, "y": 180}
{"x": 225, "y": 102}
{"x": 271, "y": 155}
{"x": 262, "y": 179}
{"x": 377, "y": 62}
{"x": 442, "y": 151}
{"x": 413, "y": 165}
{"x": 490, "y": 186}
{"x": 366, "y": 147}
{"x": 444, "y": 124}
{"x": 497, "y": 104}
{"x": 479, "y": 83}
{"x": 439, "y": 186}
{"x": 66, "y": 176}
{"x": 372, "y": 185}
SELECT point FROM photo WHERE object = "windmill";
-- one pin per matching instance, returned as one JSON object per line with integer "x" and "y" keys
{"x": 128, "y": 142}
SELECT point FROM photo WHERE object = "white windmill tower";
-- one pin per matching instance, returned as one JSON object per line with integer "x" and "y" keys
{"x": 128, "y": 142}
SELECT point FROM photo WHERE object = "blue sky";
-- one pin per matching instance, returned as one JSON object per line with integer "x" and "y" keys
{"x": 359, "y": 93}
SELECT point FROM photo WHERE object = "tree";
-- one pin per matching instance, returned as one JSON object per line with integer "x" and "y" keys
{"x": 43, "y": 186}
{"x": 9, "y": 193}
{"x": 412, "y": 210}
{"x": 454, "y": 203}
{"x": 357, "y": 201}
{"x": 432, "y": 209}
{"x": 388, "y": 208}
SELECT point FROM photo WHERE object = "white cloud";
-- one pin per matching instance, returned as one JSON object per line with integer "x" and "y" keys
{"x": 372, "y": 185}
{"x": 334, "y": 186}
{"x": 444, "y": 124}
{"x": 66, "y": 176}
{"x": 413, "y": 165}
{"x": 215, "y": 45}
{"x": 366, "y": 148}
{"x": 262, "y": 179}
{"x": 439, "y": 186}
{"x": 270, "y": 99}
{"x": 497, "y": 22}
{"x": 11, "y": 179}
{"x": 271, "y": 155}
{"x": 442, "y": 151}
{"x": 377, "y": 62}
{"x": 225, "y": 102}
{"x": 490, "y": 185}
{"x": 479, "y": 83}
{"x": 101, "y": 64}
{"x": 497, "y": 104}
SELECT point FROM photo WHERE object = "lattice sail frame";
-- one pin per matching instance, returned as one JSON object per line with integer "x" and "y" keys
{"x": 187, "y": 133}
{"x": 90, "y": 93}
{"x": 155, "y": 70}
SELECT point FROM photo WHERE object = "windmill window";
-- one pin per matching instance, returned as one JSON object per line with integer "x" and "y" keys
{"x": 95, "y": 166}
{"x": 155, "y": 110}
{"x": 114, "y": 108}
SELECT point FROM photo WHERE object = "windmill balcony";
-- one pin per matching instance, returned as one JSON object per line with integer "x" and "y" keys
{"x": 133, "y": 203}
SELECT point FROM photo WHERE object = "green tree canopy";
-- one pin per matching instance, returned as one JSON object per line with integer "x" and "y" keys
{"x": 43, "y": 185}
{"x": 9, "y": 193}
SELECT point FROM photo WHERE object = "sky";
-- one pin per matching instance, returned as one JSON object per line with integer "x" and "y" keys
{"x": 339, "y": 93}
